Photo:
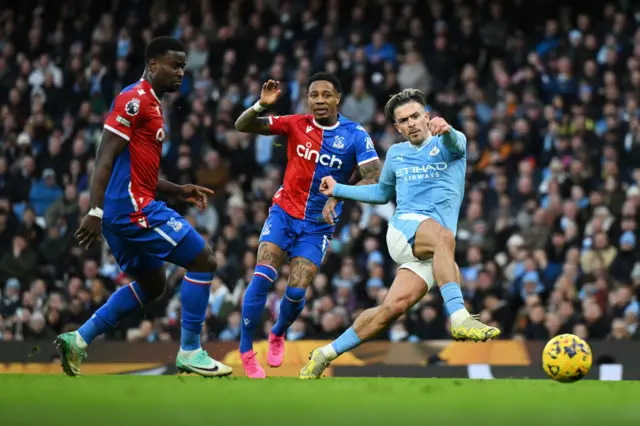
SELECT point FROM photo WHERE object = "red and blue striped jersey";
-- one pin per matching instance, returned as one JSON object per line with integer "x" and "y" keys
{"x": 135, "y": 116}
{"x": 316, "y": 151}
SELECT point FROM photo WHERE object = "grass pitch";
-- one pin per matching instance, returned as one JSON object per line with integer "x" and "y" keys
{"x": 27, "y": 400}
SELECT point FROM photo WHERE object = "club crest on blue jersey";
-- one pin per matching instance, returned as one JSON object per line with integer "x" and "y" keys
{"x": 338, "y": 143}
{"x": 132, "y": 107}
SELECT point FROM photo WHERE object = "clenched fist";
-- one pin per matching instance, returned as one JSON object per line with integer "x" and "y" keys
{"x": 439, "y": 126}
{"x": 327, "y": 185}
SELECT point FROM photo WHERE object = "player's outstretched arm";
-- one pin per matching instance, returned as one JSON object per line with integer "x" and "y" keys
{"x": 167, "y": 187}
{"x": 190, "y": 193}
{"x": 380, "y": 193}
{"x": 455, "y": 141}
{"x": 249, "y": 122}
{"x": 452, "y": 139}
{"x": 370, "y": 173}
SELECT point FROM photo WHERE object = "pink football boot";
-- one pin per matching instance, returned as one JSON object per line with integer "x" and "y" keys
{"x": 276, "y": 350}
{"x": 251, "y": 366}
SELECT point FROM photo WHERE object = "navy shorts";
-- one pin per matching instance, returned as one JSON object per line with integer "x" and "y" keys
{"x": 144, "y": 241}
{"x": 297, "y": 237}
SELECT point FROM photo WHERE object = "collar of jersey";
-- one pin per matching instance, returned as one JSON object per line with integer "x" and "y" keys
{"x": 146, "y": 83}
{"x": 423, "y": 144}
{"x": 335, "y": 126}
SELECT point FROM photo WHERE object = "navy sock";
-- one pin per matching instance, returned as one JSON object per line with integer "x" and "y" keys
{"x": 194, "y": 295}
{"x": 452, "y": 295}
{"x": 290, "y": 307}
{"x": 122, "y": 302}
{"x": 253, "y": 304}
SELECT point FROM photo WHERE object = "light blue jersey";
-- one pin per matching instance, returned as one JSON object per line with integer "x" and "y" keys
{"x": 428, "y": 181}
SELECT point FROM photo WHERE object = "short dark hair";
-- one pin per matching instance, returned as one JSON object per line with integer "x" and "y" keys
{"x": 402, "y": 98}
{"x": 159, "y": 46}
{"x": 325, "y": 76}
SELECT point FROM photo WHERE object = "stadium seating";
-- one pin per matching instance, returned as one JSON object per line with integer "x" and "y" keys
{"x": 548, "y": 96}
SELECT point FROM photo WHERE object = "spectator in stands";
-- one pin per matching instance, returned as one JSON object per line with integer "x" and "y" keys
{"x": 547, "y": 241}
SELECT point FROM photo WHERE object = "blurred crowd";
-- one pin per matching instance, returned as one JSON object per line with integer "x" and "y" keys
{"x": 547, "y": 93}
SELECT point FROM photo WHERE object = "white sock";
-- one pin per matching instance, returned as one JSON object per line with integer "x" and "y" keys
{"x": 458, "y": 317}
{"x": 329, "y": 352}
{"x": 80, "y": 342}
{"x": 187, "y": 354}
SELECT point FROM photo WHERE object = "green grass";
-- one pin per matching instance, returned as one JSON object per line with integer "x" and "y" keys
{"x": 176, "y": 401}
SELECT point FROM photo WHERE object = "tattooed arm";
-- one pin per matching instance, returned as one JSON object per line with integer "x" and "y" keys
{"x": 249, "y": 122}
{"x": 370, "y": 172}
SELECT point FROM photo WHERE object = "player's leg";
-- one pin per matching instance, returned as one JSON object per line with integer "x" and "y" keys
{"x": 434, "y": 241}
{"x": 292, "y": 304}
{"x": 306, "y": 253}
{"x": 193, "y": 254}
{"x": 275, "y": 240}
{"x": 407, "y": 289}
{"x": 149, "y": 284}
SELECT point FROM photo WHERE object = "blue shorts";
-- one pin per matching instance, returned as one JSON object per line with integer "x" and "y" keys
{"x": 158, "y": 235}
{"x": 297, "y": 237}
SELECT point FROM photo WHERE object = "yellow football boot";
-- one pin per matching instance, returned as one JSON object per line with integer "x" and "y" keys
{"x": 318, "y": 362}
{"x": 472, "y": 329}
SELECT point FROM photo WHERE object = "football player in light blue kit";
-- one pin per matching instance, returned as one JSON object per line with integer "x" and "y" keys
{"x": 427, "y": 175}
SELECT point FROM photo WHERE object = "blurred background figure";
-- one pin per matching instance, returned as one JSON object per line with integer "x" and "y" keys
{"x": 548, "y": 237}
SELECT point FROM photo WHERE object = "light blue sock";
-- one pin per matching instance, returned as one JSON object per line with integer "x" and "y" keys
{"x": 347, "y": 341}
{"x": 194, "y": 295}
{"x": 452, "y": 295}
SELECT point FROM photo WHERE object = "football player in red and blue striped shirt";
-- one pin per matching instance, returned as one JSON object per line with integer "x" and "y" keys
{"x": 301, "y": 221}
{"x": 143, "y": 233}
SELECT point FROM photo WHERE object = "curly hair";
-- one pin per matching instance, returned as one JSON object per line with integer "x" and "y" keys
{"x": 160, "y": 46}
{"x": 325, "y": 76}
